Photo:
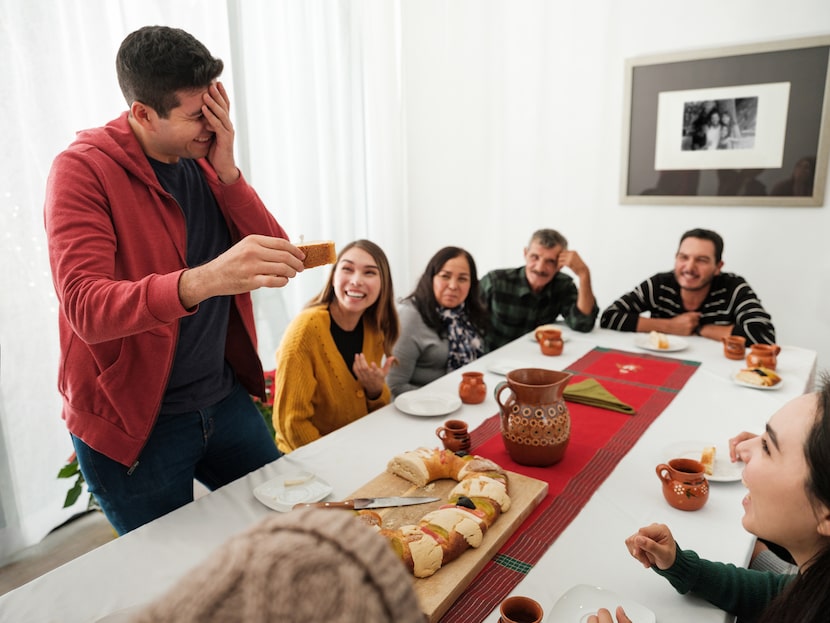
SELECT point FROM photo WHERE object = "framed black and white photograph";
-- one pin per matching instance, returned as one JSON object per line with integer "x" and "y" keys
{"x": 730, "y": 126}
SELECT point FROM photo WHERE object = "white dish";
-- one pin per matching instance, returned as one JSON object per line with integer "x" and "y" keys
{"x": 675, "y": 343}
{"x": 283, "y": 492}
{"x": 581, "y": 601}
{"x": 425, "y": 404}
{"x": 751, "y": 386}
{"x": 503, "y": 366}
{"x": 723, "y": 470}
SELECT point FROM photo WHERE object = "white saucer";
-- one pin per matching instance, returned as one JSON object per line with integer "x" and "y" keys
{"x": 283, "y": 492}
{"x": 723, "y": 470}
{"x": 504, "y": 366}
{"x": 426, "y": 404}
{"x": 675, "y": 343}
{"x": 736, "y": 380}
{"x": 581, "y": 601}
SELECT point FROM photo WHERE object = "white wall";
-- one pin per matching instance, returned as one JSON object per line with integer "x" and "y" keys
{"x": 515, "y": 123}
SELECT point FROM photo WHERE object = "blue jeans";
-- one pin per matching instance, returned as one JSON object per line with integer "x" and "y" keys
{"x": 215, "y": 445}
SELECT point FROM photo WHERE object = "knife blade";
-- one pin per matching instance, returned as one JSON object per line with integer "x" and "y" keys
{"x": 364, "y": 503}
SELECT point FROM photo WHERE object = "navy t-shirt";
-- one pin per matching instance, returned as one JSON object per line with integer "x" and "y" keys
{"x": 200, "y": 376}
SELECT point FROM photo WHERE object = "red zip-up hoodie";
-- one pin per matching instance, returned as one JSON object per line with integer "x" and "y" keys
{"x": 117, "y": 249}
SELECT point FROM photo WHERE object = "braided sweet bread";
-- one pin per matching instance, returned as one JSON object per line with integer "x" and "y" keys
{"x": 442, "y": 535}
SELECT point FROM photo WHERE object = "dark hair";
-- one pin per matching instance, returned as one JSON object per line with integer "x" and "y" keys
{"x": 549, "y": 238}
{"x": 423, "y": 296}
{"x": 706, "y": 234}
{"x": 807, "y": 598}
{"x": 155, "y": 62}
{"x": 382, "y": 314}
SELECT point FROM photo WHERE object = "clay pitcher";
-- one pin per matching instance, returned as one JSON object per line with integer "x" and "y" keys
{"x": 763, "y": 356}
{"x": 535, "y": 421}
{"x": 684, "y": 484}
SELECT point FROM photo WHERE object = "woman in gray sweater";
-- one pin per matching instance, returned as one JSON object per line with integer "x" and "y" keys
{"x": 442, "y": 322}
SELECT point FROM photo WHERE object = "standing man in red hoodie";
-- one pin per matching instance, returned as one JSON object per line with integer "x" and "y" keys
{"x": 155, "y": 243}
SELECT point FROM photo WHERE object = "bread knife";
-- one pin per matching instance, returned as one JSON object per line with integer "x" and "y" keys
{"x": 364, "y": 503}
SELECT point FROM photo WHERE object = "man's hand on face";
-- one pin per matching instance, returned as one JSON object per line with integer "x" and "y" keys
{"x": 216, "y": 109}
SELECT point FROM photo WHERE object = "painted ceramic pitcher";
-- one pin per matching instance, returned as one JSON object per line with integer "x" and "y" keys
{"x": 535, "y": 421}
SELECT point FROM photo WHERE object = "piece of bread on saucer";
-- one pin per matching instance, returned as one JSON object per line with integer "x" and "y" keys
{"x": 761, "y": 376}
{"x": 707, "y": 459}
{"x": 658, "y": 340}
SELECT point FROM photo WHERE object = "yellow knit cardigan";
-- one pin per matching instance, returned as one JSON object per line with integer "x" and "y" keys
{"x": 314, "y": 390}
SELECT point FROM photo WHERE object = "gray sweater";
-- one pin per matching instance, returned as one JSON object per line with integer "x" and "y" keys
{"x": 421, "y": 353}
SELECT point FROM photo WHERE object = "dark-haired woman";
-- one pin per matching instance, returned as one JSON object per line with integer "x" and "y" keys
{"x": 442, "y": 322}
{"x": 787, "y": 474}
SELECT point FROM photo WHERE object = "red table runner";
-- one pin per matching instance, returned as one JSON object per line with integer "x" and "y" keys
{"x": 599, "y": 439}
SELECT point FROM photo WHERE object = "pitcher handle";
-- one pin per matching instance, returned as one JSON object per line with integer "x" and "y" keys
{"x": 498, "y": 390}
{"x": 663, "y": 472}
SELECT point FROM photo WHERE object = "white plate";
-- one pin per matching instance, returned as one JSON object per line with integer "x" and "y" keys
{"x": 675, "y": 343}
{"x": 723, "y": 470}
{"x": 581, "y": 601}
{"x": 503, "y": 366}
{"x": 283, "y": 492}
{"x": 751, "y": 386}
{"x": 426, "y": 404}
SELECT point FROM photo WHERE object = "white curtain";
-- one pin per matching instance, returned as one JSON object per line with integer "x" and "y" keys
{"x": 323, "y": 116}
{"x": 316, "y": 100}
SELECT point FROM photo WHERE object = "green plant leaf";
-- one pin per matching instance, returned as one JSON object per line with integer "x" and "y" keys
{"x": 74, "y": 493}
{"x": 69, "y": 470}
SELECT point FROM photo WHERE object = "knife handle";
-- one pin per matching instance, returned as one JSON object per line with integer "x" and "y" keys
{"x": 348, "y": 505}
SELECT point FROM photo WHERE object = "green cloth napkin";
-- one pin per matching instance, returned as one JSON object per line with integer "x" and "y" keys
{"x": 590, "y": 392}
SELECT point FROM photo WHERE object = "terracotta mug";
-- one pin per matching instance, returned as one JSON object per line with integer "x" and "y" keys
{"x": 550, "y": 341}
{"x": 684, "y": 483}
{"x": 472, "y": 390}
{"x": 454, "y": 435}
{"x": 734, "y": 347}
{"x": 763, "y": 356}
{"x": 518, "y": 609}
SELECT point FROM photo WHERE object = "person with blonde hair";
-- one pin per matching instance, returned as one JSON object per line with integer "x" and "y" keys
{"x": 334, "y": 356}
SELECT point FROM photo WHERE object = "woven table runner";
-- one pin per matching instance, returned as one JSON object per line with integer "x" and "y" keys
{"x": 600, "y": 438}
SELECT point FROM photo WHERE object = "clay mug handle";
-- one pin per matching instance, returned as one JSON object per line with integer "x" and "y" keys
{"x": 663, "y": 472}
{"x": 441, "y": 432}
{"x": 776, "y": 349}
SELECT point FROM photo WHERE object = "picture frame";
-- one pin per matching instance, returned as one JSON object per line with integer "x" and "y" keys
{"x": 738, "y": 126}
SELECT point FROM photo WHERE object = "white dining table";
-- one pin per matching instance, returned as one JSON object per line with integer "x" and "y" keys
{"x": 136, "y": 568}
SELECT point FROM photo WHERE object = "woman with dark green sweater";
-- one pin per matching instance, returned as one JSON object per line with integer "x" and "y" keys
{"x": 787, "y": 473}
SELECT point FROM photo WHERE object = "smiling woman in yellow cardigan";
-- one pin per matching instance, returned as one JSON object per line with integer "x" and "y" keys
{"x": 330, "y": 364}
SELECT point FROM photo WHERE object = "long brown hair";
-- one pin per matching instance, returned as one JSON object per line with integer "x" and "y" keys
{"x": 807, "y": 598}
{"x": 382, "y": 314}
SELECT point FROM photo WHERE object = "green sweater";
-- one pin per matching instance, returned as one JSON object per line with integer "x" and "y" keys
{"x": 739, "y": 591}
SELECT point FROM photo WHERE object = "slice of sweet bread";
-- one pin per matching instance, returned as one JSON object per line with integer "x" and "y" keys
{"x": 658, "y": 340}
{"x": 318, "y": 253}
{"x": 707, "y": 459}
{"x": 761, "y": 376}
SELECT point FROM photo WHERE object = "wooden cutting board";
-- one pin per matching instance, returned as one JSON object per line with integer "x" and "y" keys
{"x": 438, "y": 592}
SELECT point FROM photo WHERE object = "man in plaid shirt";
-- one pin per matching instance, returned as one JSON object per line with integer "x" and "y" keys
{"x": 520, "y": 299}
